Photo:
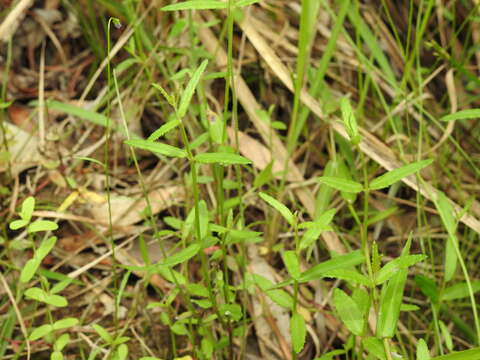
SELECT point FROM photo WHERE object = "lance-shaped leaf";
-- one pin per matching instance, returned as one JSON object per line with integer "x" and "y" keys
{"x": 341, "y": 184}
{"x": 396, "y": 175}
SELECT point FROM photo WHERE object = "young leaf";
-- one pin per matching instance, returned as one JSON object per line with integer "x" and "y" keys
{"x": 29, "y": 270}
{"x": 390, "y": 268}
{"x": 45, "y": 248}
{"x": 298, "y": 331}
{"x": 280, "y": 297}
{"x": 196, "y": 5}
{"x": 36, "y": 293}
{"x": 349, "y": 120}
{"x": 428, "y": 287}
{"x": 461, "y": 115}
{"x": 221, "y": 158}
{"x": 42, "y": 225}
{"x": 158, "y": 148}
{"x": 291, "y": 262}
{"x": 165, "y": 128}
{"x": 375, "y": 347}
{"x": 55, "y": 300}
{"x": 182, "y": 255}
{"x": 446, "y": 335}
{"x": 340, "y": 262}
{"x": 61, "y": 342}
{"x": 349, "y": 312}
{"x": 40, "y": 332}
{"x": 18, "y": 224}
{"x": 65, "y": 323}
{"x": 192, "y": 84}
{"x": 106, "y": 337}
{"x": 398, "y": 174}
{"x": 461, "y": 355}
{"x": 422, "y": 350}
{"x": 351, "y": 276}
{"x": 446, "y": 211}
{"x": 390, "y": 302}
{"x": 459, "y": 290}
{"x": 170, "y": 99}
{"x": 27, "y": 208}
{"x": 277, "y": 205}
{"x": 341, "y": 184}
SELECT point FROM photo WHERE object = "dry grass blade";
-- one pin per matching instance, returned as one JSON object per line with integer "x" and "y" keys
{"x": 13, "y": 19}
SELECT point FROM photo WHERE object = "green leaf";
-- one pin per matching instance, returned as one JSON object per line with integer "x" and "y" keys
{"x": 203, "y": 219}
{"x": 446, "y": 335}
{"x": 390, "y": 303}
{"x": 351, "y": 276}
{"x": 170, "y": 99}
{"x": 61, "y": 342}
{"x": 341, "y": 184}
{"x": 280, "y": 297}
{"x": 29, "y": 270}
{"x": 298, "y": 331}
{"x": 182, "y": 255}
{"x": 56, "y": 300}
{"x": 192, "y": 84}
{"x": 157, "y": 148}
{"x": 459, "y": 290}
{"x": 318, "y": 226}
{"x": 18, "y": 224}
{"x": 42, "y": 225}
{"x": 232, "y": 311}
{"x": 92, "y": 116}
{"x": 374, "y": 347}
{"x": 221, "y": 158}
{"x": 240, "y": 3}
{"x": 447, "y": 212}
{"x": 398, "y": 174}
{"x": 165, "y": 128}
{"x": 428, "y": 287}
{"x": 391, "y": 268}
{"x": 27, "y": 208}
{"x": 65, "y": 323}
{"x": 461, "y": 355}
{"x": 196, "y": 5}
{"x": 56, "y": 355}
{"x": 349, "y": 312}
{"x": 5, "y": 105}
{"x": 291, "y": 262}
{"x": 340, "y": 262}
{"x": 106, "y": 337}
{"x": 277, "y": 205}
{"x": 422, "y": 350}
{"x": 35, "y": 293}
{"x": 349, "y": 120}
{"x": 264, "y": 176}
{"x": 45, "y": 248}
{"x": 40, "y": 332}
{"x": 122, "y": 352}
{"x": 462, "y": 114}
